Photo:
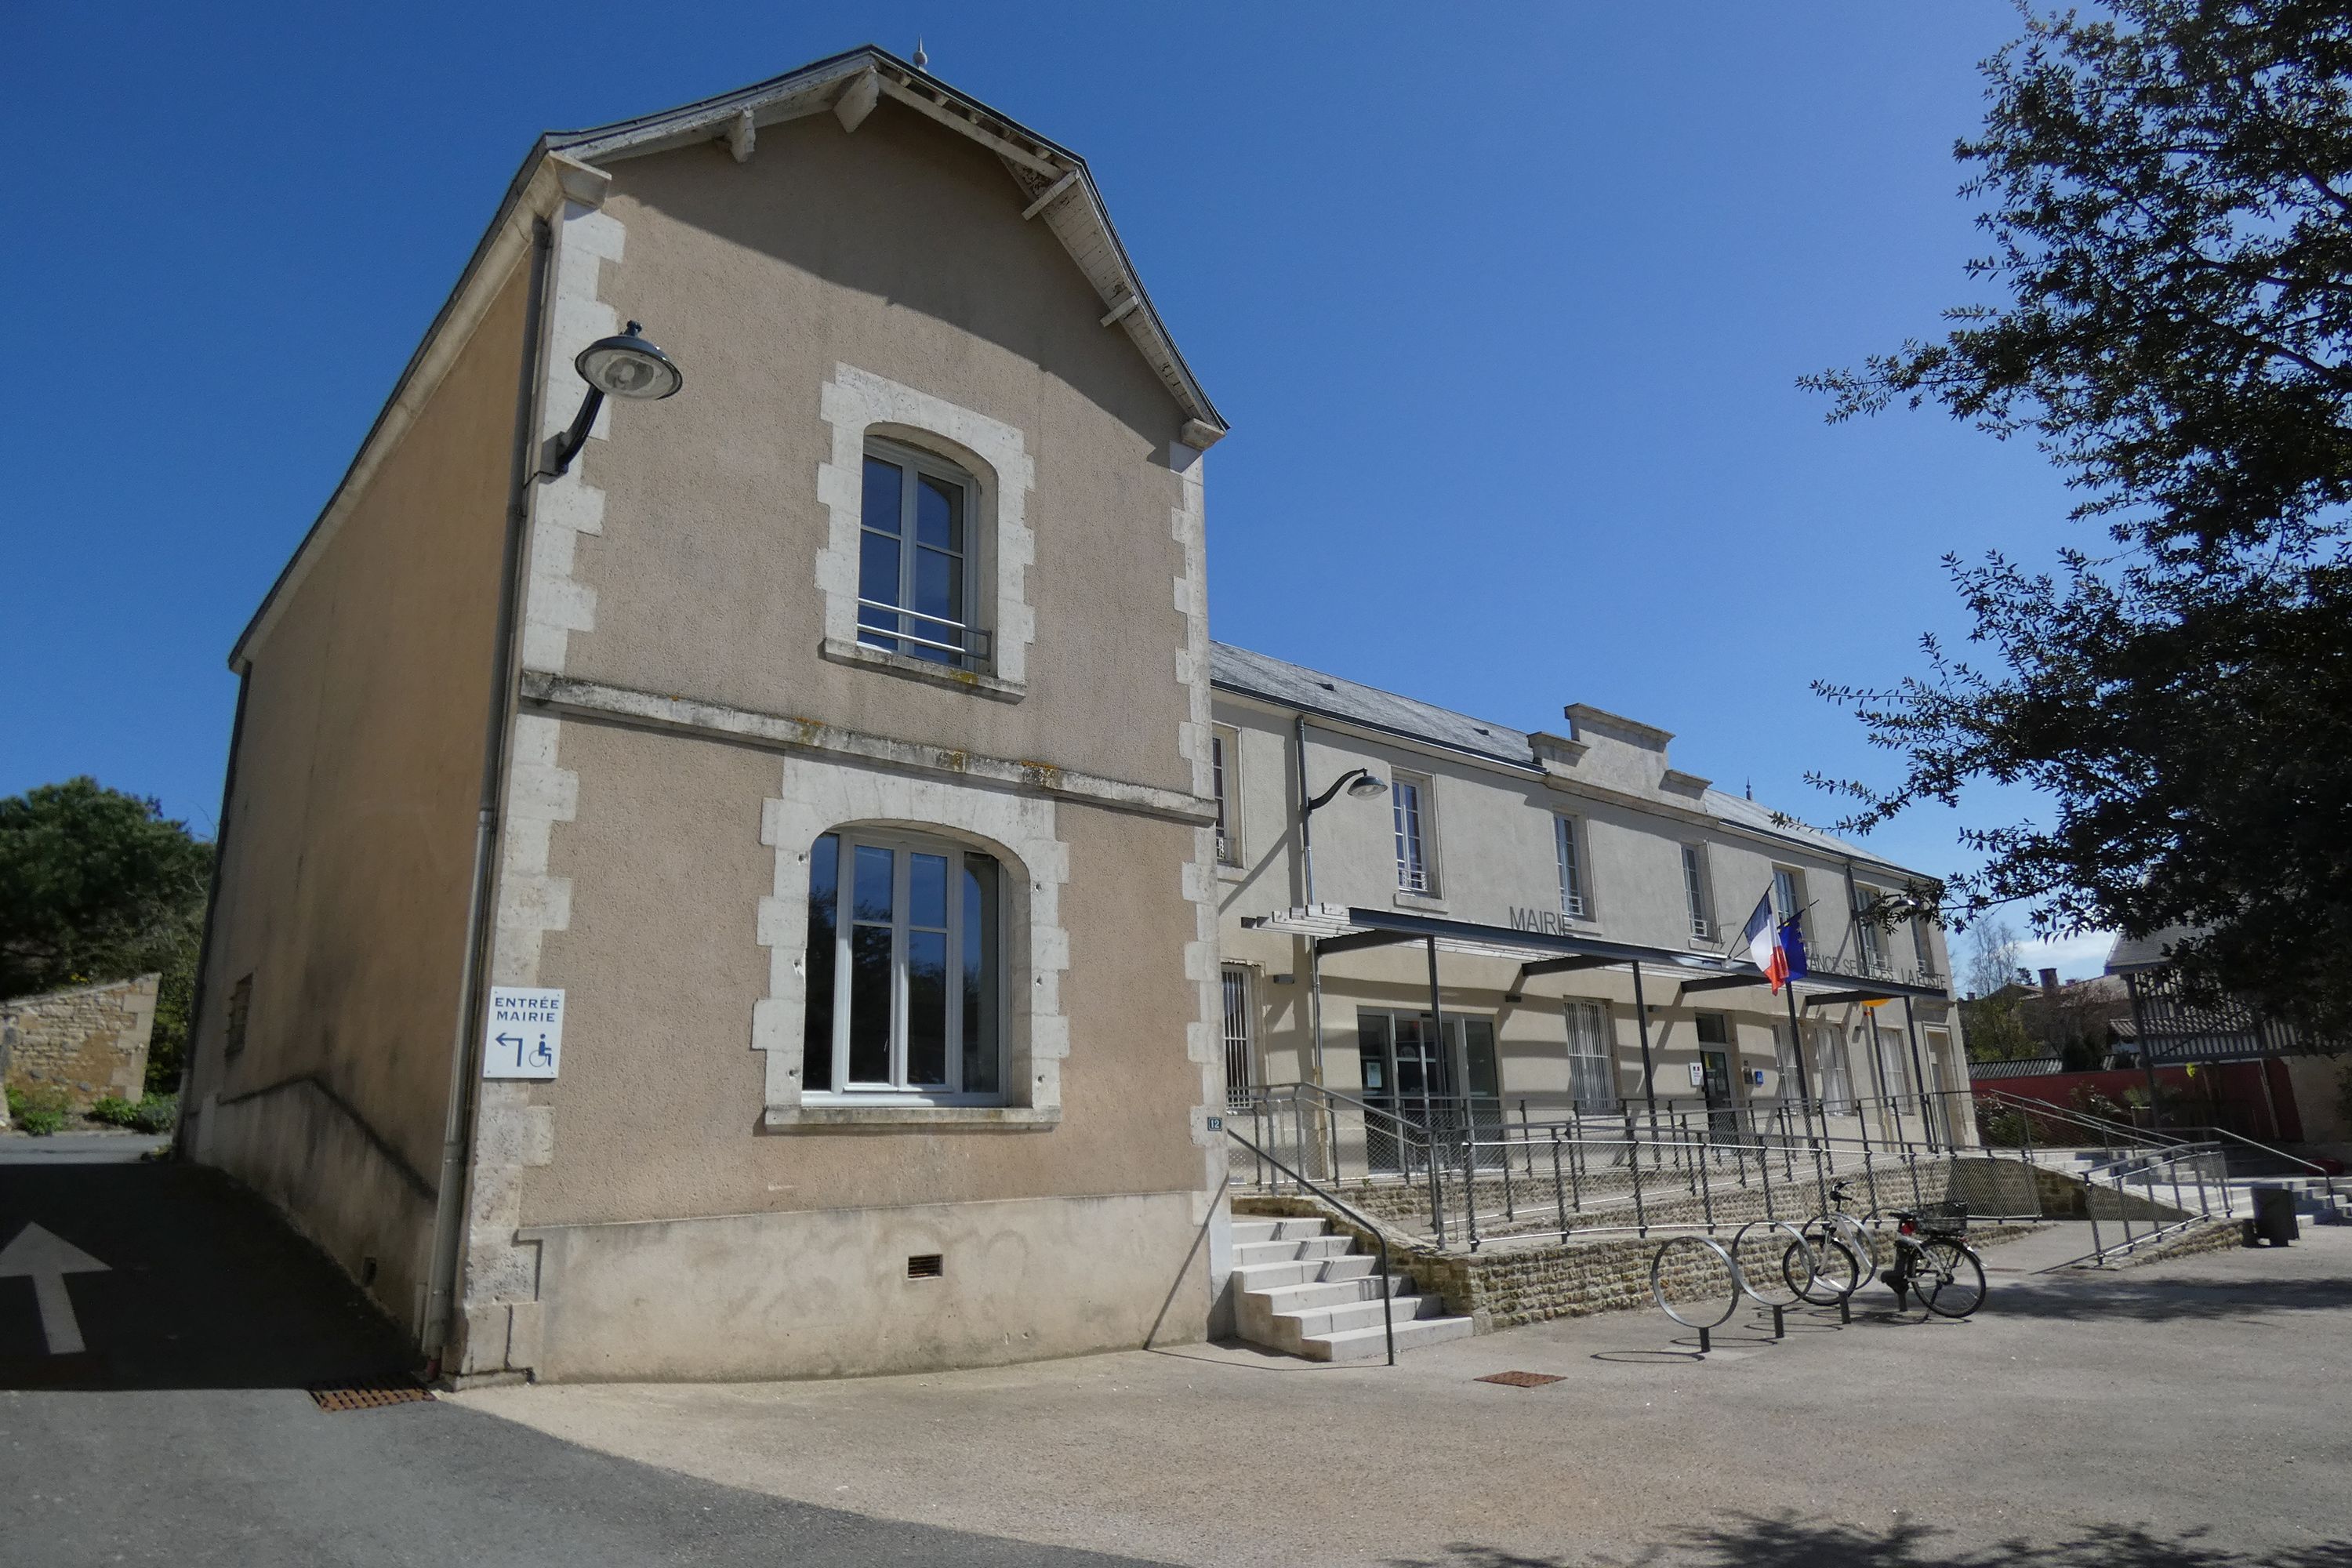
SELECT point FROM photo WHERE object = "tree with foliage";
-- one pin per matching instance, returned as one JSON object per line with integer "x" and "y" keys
{"x": 97, "y": 885}
{"x": 2168, "y": 192}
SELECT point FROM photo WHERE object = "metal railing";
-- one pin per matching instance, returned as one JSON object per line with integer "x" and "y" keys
{"x": 1459, "y": 1174}
{"x": 878, "y": 622}
{"x": 2194, "y": 1173}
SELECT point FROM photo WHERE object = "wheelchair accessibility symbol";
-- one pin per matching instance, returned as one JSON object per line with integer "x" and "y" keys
{"x": 526, "y": 1033}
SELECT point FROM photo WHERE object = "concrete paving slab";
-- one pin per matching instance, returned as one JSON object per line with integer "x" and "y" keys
{"x": 2184, "y": 1414}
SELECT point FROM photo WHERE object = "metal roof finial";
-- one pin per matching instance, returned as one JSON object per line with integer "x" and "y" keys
{"x": 922, "y": 60}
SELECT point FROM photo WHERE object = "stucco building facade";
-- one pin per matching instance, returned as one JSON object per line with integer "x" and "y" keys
{"x": 822, "y": 757}
{"x": 1576, "y": 902}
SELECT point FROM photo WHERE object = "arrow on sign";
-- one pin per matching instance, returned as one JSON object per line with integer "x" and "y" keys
{"x": 46, "y": 1260}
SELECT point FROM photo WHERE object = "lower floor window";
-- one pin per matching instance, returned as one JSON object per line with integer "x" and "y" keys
{"x": 905, "y": 970}
{"x": 1591, "y": 1065}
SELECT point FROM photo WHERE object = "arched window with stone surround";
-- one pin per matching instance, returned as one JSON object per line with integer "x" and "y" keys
{"x": 905, "y": 997}
{"x": 918, "y": 557}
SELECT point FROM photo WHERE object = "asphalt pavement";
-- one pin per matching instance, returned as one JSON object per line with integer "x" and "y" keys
{"x": 159, "y": 1412}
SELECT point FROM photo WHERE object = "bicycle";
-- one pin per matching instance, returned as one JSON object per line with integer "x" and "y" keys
{"x": 1933, "y": 1261}
{"x": 1841, "y": 1256}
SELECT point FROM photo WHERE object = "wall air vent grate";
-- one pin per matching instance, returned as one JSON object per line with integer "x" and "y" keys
{"x": 926, "y": 1265}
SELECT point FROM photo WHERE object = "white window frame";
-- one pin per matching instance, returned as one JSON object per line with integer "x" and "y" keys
{"x": 1569, "y": 844}
{"x": 1591, "y": 1054}
{"x": 1869, "y": 940}
{"x": 971, "y": 650}
{"x": 1698, "y": 893}
{"x": 1225, "y": 780}
{"x": 1420, "y": 878}
{"x": 1789, "y": 901}
{"x": 898, "y": 1091}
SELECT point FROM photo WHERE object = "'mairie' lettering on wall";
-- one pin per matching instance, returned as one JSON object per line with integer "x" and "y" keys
{"x": 1548, "y": 920}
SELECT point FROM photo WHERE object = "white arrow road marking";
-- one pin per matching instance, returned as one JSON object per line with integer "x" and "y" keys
{"x": 46, "y": 1260}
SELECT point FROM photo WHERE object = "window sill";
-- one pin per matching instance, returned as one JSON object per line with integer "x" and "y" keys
{"x": 1230, "y": 872}
{"x": 1004, "y": 1117}
{"x": 978, "y": 683}
{"x": 1429, "y": 902}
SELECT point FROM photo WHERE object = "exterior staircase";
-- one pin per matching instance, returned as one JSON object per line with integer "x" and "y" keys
{"x": 2317, "y": 1200}
{"x": 1301, "y": 1289}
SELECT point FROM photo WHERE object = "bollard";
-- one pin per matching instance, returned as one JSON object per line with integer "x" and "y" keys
{"x": 1845, "y": 1309}
{"x": 1704, "y": 1344}
{"x": 1780, "y": 1327}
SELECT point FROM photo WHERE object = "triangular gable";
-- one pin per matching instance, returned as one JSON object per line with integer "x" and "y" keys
{"x": 1053, "y": 183}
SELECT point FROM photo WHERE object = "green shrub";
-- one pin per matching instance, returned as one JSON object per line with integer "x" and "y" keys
{"x": 156, "y": 1113}
{"x": 40, "y": 1111}
{"x": 111, "y": 1110}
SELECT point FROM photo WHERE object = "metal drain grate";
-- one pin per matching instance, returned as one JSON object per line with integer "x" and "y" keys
{"x": 368, "y": 1395}
{"x": 1520, "y": 1379}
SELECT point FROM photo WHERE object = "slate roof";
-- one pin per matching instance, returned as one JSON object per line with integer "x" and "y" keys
{"x": 1295, "y": 685}
{"x": 2132, "y": 953}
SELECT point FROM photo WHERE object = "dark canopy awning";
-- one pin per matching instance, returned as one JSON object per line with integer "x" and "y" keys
{"x": 1341, "y": 928}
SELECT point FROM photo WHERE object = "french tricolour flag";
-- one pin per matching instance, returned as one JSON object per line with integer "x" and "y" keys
{"x": 1776, "y": 949}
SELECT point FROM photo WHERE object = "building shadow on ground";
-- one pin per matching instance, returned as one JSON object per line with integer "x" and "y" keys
{"x": 2156, "y": 1300}
{"x": 1790, "y": 1541}
{"x": 204, "y": 1286}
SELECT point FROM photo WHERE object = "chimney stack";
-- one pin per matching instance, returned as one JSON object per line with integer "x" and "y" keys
{"x": 2049, "y": 983}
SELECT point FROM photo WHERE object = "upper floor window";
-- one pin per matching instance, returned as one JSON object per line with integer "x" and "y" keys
{"x": 916, "y": 571}
{"x": 1869, "y": 939}
{"x": 906, "y": 965}
{"x": 1225, "y": 783}
{"x": 1697, "y": 894}
{"x": 1574, "y": 898}
{"x": 1789, "y": 901}
{"x": 1410, "y": 804}
{"x": 1923, "y": 944}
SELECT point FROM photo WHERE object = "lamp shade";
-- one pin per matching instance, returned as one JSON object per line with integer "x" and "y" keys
{"x": 628, "y": 367}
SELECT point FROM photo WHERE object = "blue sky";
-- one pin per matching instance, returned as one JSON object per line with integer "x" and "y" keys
{"x": 1506, "y": 304}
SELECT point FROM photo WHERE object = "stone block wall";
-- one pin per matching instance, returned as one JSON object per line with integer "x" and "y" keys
{"x": 1524, "y": 1283}
{"x": 91, "y": 1041}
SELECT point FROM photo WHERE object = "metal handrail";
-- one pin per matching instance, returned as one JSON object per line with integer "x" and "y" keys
{"x": 2145, "y": 1136}
{"x": 2115, "y": 1175}
{"x": 974, "y": 645}
{"x": 1380, "y": 1237}
{"x": 2327, "y": 1175}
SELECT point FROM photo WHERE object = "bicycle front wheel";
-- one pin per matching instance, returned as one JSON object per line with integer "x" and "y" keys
{"x": 1835, "y": 1274}
{"x": 1948, "y": 1280}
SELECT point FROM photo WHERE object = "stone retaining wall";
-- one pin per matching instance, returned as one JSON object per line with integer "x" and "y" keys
{"x": 91, "y": 1041}
{"x": 1507, "y": 1286}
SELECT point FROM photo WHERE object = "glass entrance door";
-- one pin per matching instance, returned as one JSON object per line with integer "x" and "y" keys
{"x": 1409, "y": 1075}
{"x": 1714, "y": 1071}
{"x": 1406, "y": 1078}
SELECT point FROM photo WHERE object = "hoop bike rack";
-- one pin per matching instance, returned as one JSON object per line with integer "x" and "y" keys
{"x": 1740, "y": 1286}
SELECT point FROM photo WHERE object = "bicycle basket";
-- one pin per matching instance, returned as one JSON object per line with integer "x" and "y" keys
{"x": 1944, "y": 1220}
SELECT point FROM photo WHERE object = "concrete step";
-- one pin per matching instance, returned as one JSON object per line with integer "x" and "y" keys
{"x": 1285, "y": 1250}
{"x": 1305, "y": 1271}
{"x": 1295, "y": 1328}
{"x": 1371, "y": 1344}
{"x": 1329, "y": 1293}
{"x": 1246, "y": 1231}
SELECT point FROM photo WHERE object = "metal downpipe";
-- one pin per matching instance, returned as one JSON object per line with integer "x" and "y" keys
{"x": 440, "y": 1301}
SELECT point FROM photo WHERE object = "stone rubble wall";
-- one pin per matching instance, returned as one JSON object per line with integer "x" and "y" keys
{"x": 91, "y": 1041}
{"x": 1522, "y": 1283}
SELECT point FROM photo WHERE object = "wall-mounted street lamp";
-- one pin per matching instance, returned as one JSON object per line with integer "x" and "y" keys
{"x": 1360, "y": 784}
{"x": 623, "y": 367}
